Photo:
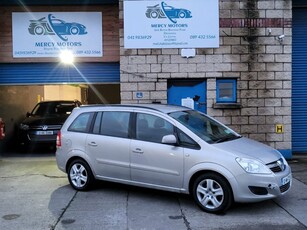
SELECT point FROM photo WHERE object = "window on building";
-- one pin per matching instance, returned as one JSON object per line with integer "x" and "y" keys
{"x": 226, "y": 90}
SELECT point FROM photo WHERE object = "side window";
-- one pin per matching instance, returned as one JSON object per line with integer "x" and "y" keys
{"x": 186, "y": 141}
{"x": 97, "y": 123}
{"x": 115, "y": 124}
{"x": 152, "y": 128}
{"x": 82, "y": 123}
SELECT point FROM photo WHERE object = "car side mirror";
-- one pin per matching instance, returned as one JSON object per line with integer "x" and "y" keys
{"x": 169, "y": 139}
{"x": 28, "y": 114}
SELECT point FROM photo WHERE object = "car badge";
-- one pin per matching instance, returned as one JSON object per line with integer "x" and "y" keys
{"x": 45, "y": 127}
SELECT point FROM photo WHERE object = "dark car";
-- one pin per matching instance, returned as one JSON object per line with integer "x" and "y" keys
{"x": 41, "y": 126}
{"x": 55, "y": 26}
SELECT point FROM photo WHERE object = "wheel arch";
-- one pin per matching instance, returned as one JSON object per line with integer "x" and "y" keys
{"x": 73, "y": 158}
{"x": 210, "y": 168}
{"x": 199, "y": 173}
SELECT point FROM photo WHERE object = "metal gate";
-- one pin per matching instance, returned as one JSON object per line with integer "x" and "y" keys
{"x": 54, "y": 73}
{"x": 299, "y": 80}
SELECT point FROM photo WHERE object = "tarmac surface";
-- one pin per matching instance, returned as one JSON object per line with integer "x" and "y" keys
{"x": 298, "y": 165}
{"x": 34, "y": 194}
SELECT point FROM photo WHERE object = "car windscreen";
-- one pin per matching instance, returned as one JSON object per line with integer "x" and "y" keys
{"x": 44, "y": 109}
{"x": 206, "y": 128}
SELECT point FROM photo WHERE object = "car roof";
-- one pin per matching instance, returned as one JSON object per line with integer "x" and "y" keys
{"x": 164, "y": 108}
{"x": 59, "y": 101}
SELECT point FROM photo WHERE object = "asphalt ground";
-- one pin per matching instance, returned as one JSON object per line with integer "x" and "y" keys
{"x": 34, "y": 194}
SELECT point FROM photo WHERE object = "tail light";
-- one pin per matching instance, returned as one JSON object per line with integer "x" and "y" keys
{"x": 58, "y": 140}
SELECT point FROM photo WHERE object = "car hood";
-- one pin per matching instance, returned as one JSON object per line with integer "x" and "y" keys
{"x": 50, "y": 120}
{"x": 244, "y": 147}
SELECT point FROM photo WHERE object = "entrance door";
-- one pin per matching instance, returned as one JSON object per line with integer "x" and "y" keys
{"x": 192, "y": 88}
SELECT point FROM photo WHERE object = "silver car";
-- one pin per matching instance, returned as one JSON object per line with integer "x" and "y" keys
{"x": 171, "y": 148}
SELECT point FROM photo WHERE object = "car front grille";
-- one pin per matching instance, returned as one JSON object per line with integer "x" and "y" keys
{"x": 277, "y": 166}
{"x": 46, "y": 127}
{"x": 284, "y": 188}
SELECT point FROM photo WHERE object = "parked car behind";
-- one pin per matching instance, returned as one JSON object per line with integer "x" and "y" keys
{"x": 171, "y": 148}
{"x": 41, "y": 126}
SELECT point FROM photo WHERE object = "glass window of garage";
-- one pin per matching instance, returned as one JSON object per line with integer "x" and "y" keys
{"x": 152, "y": 128}
{"x": 226, "y": 90}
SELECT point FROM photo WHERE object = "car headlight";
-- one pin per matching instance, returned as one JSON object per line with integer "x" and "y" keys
{"x": 253, "y": 166}
{"x": 24, "y": 126}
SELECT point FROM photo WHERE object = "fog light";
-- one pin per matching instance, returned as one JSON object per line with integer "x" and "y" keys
{"x": 258, "y": 190}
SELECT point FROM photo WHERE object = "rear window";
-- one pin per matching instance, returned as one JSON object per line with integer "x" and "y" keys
{"x": 53, "y": 108}
{"x": 82, "y": 123}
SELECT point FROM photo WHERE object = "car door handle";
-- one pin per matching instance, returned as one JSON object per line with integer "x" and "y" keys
{"x": 92, "y": 144}
{"x": 138, "y": 150}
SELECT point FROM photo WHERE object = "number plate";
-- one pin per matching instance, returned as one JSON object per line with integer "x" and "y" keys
{"x": 44, "y": 132}
{"x": 286, "y": 179}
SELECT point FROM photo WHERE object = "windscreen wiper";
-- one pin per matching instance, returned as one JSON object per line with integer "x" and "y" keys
{"x": 227, "y": 138}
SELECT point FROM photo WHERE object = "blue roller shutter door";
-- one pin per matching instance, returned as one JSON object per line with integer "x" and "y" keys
{"x": 56, "y": 73}
{"x": 299, "y": 81}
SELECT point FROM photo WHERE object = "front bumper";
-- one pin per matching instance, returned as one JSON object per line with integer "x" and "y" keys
{"x": 30, "y": 137}
{"x": 257, "y": 187}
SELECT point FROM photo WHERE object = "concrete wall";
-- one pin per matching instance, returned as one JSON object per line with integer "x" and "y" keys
{"x": 249, "y": 51}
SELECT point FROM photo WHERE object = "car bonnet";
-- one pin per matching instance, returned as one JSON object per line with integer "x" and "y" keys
{"x": 248, "y": 148}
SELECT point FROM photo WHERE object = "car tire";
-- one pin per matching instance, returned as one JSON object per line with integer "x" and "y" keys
{"x": 212, "y": 193}
{"x": 74, "y": 30}
{"x": 182, "y": 14}
{"x": 39, "y": 30}
{"x": 154, "y": 14}
{"x": 80, "y": 175}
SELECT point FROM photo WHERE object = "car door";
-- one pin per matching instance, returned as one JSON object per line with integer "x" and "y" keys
{"x": 152, "y": 162}
{"x": 109, "y": 145}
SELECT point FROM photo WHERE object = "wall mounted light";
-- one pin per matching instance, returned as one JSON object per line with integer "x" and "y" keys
{"x": 281, "y": 38}
{"x": 188, "y": 53}
{"x": 67, "y": 57}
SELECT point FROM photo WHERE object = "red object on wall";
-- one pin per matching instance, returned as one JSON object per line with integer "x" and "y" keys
{"x": 2, "y": 129}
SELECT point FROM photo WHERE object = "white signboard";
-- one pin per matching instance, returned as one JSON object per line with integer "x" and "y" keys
{"x": 187, "y": 102}
{"x": 171, "y": 24}
{"x": 46, "y": 34}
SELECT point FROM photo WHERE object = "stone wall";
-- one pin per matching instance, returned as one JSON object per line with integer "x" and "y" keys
{"x": 249, "y": 51}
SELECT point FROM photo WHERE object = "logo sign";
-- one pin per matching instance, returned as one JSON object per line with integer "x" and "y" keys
{"x": 139, "y": 94}
{"x": 166, "y": 11}
{"x": 279, "y": 128}
{"x": 171, "y": 24}
{"x": 47, "y": 34}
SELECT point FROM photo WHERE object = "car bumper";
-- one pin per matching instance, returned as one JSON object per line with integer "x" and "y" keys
{"x": 257, "y": 187}
{"x": 31, "y": 137}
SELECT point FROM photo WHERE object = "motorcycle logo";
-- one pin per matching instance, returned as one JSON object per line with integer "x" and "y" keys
{"x": 55, "y": 26}
{"x": 166, "y": 11}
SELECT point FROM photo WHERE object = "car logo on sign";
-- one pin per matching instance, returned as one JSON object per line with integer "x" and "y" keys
{"x": 55, "y": 26}
{"x": 166, "y": 11}
{"x": 45, "y": 127}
